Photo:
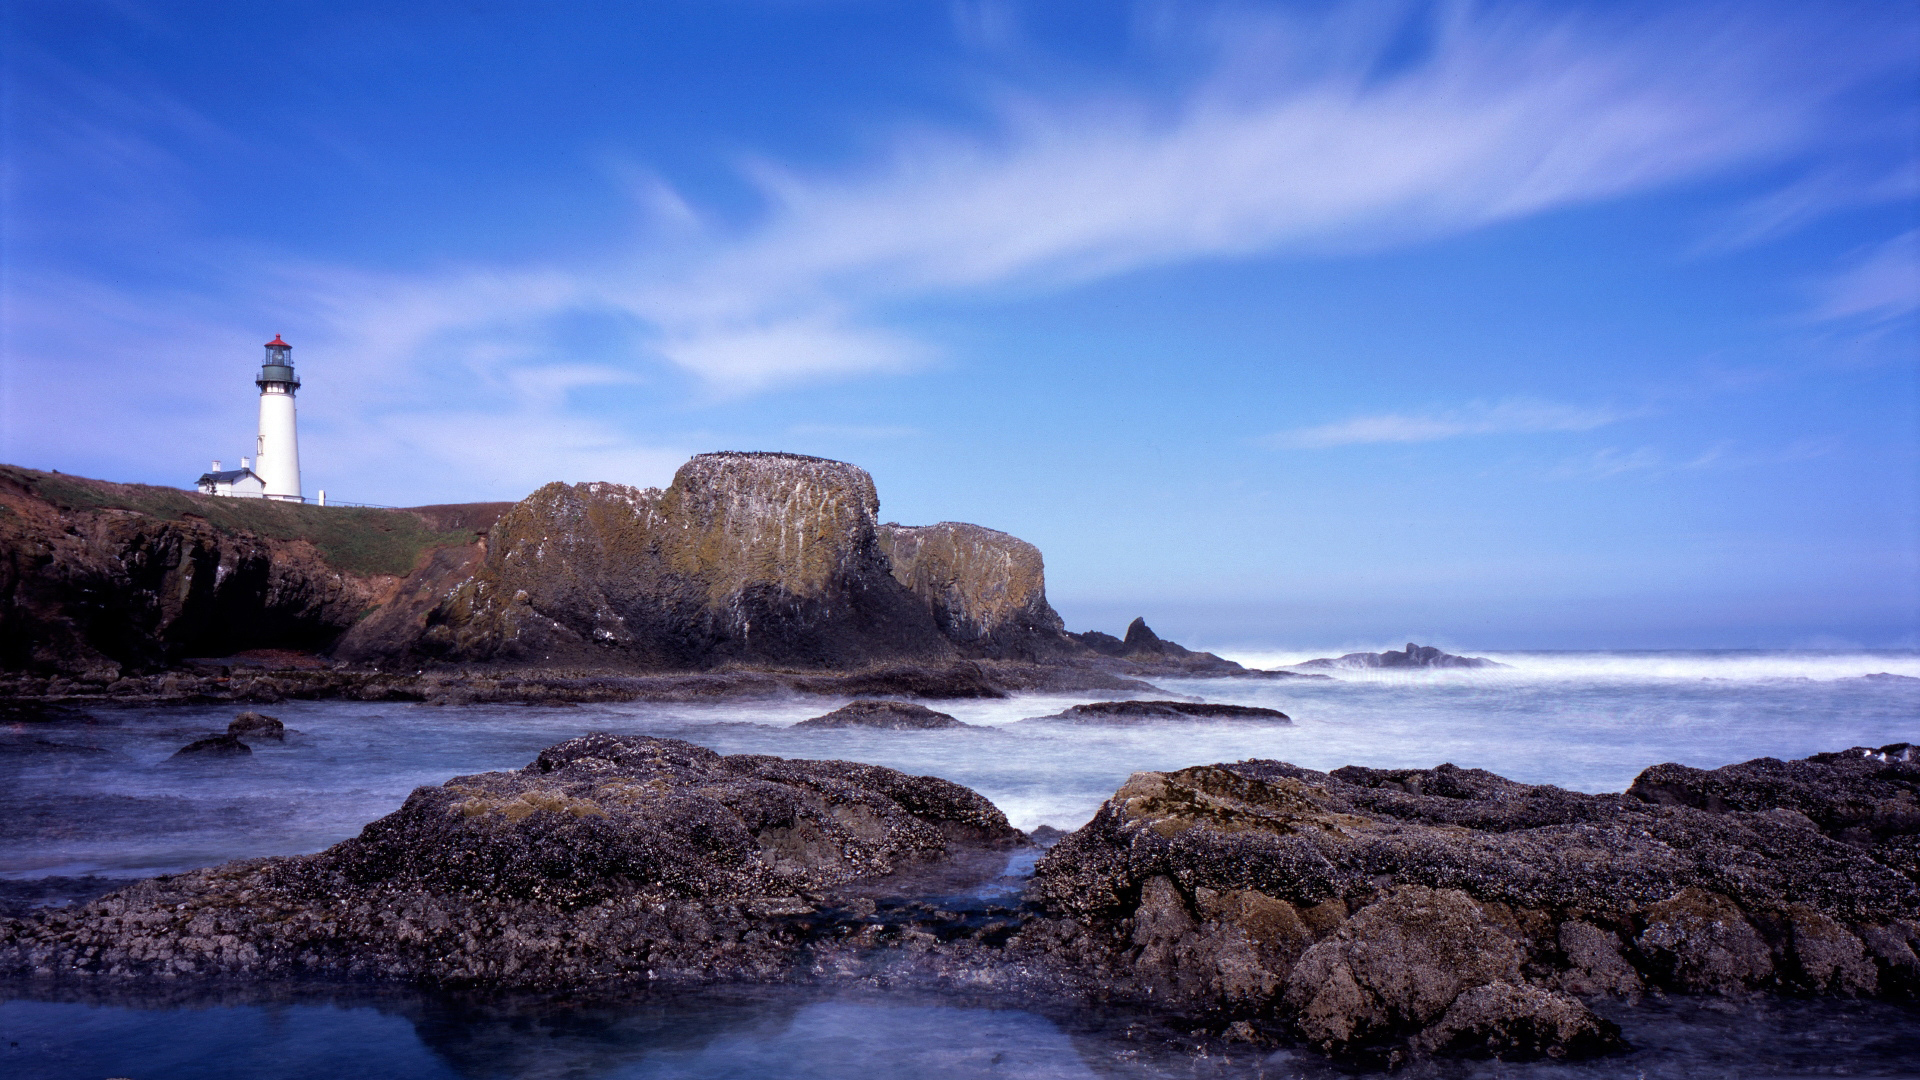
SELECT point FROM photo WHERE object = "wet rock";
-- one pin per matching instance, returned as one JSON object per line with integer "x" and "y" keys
{"x": 607, "y": 857}
{"x": 1699, "y": 940}
{"x": 885, "y": 715}
{"x": 255, "y": 725}
{"x": 1414, "y": 656}
{"x": 1510, "y": 1022}
{"x": 1595, "y": 965}
{"x": 1458, "y": 879}
{"x": 1396, "y": 967}
{"x": 1132, "y": 712}
{"x": 213, "y": 746}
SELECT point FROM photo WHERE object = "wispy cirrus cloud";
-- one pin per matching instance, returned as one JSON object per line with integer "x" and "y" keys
{"x": 1613, "y": 461}
{"x": 1511, "y": 417}
{"x": 1256, "y": 134}
{"x": 1288, "y": 135}
{"x": 1882, "y": 283}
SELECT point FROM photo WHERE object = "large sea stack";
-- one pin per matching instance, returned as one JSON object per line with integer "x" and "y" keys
{"x": 746, "y": 558}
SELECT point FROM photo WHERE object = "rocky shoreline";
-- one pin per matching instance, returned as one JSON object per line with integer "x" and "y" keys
{"x": 1373, "y": 914}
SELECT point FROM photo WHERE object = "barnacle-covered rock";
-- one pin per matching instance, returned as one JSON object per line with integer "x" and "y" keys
{"x": 607, "y": 857}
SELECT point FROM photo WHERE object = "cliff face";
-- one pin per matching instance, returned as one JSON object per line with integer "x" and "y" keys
{"x": 99, "y": 578}
{"x": 986, "y": 590}
{"x": 745, "y": 558}
{"x": 764, "y": 559}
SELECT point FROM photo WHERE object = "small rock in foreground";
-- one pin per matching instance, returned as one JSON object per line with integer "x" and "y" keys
{"x": 885, "y": 715}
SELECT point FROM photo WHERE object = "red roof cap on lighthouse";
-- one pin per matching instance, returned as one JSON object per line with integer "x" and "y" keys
{"x": 276, "y": 341}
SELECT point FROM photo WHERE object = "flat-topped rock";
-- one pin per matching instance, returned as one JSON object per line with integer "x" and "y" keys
{"x": 885, "y": 715}
{"x": 1136, "y": 712}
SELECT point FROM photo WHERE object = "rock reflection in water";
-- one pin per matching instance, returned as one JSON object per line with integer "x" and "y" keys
{"x": 300, "y": 1030}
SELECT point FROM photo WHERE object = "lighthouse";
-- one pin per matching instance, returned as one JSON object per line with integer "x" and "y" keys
{"x": 277, "y": 454}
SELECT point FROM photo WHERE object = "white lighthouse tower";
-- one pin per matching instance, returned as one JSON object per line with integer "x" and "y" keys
{"x": 278, "y": 453}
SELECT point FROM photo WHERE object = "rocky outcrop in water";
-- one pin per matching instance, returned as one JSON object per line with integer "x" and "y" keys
{"x": 1136, "y": 712}
{"x": 1374, "y": 911}
{"x": 1415, "y": 656}
{"x": 609, "y": 857}
{"x": 1144, "y": 652}
{"x": 883, "y": 715}
{"x": 1370, "y": 913}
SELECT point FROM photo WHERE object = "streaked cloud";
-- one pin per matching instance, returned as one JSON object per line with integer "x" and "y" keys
{"x": 1883, "y": 283}
{"x": 1612, "y": 461}
{"x": 1510, "y": 417}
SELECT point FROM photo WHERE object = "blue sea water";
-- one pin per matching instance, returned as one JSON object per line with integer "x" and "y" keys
{"x": 1588, "y": 721}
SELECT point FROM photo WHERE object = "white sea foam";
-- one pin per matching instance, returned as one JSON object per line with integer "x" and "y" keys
{"x": 1588, "y": 721}
{"x": 1626, "y": 666}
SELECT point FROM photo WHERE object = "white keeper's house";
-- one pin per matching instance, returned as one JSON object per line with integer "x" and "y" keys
{"x": 273, "y": 472}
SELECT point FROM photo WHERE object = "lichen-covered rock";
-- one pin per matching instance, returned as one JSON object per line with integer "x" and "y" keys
{"x": 607, "y": 857}
{"x": 1384, "y": 895}
{"x": 761, "y": 558}
{"x": 987, "y": 590}
{"x": 883, "y": 715}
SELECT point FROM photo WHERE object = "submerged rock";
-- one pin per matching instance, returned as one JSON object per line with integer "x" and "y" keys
{"x": 1134, "y": 712}
{"x": 887, "y": 715}
{"x": 213, "y": 746}
{"x": 1415, "y": 656}
{"x": 255, "y": 725}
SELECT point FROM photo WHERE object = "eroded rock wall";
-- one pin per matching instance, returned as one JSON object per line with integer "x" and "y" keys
{"x": 746, "y": 558}
{"x": 987, "y": 590}
{"x": 103, "y": 590}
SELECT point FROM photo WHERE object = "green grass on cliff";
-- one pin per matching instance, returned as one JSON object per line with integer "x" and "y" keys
{"x": 352, "y": 539}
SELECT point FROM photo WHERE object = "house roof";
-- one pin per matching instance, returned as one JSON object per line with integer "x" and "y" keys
{"x": 227, "y": 476}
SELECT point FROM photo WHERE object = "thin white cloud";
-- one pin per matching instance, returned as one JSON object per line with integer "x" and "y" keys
{"x": 1612, "y": 461}
{"x": 1258, "y": 135}
{"x": 1511, "y": 417}
{"x": 1884, "y": 283}
{"x": 1273, "y": 148}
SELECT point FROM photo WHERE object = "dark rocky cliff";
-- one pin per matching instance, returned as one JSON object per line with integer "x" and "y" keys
{"x": 744, "y": 559}
{"x": 767, "y": 561}
{"x": 99, "y": 578}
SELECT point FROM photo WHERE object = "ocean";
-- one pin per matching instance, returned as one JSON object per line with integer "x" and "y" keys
{"x": 1587, "y": 721}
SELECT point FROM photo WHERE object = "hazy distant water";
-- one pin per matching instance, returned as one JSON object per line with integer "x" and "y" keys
{"x": 1587, "y": 721}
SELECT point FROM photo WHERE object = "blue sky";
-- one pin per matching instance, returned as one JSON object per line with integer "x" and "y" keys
{"x": 1500, "y": 325}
